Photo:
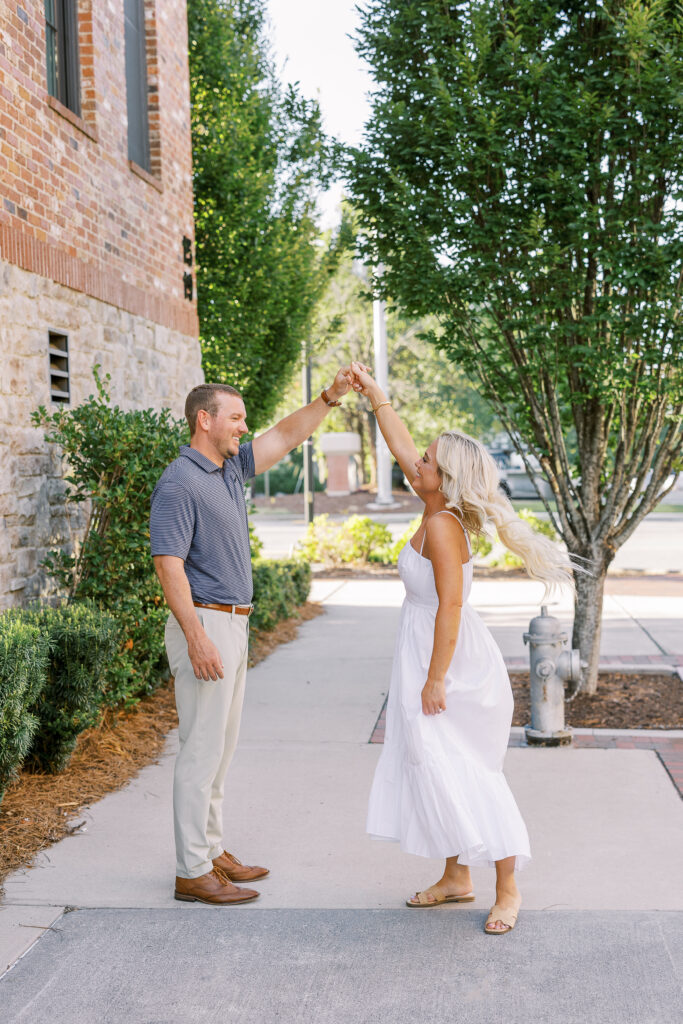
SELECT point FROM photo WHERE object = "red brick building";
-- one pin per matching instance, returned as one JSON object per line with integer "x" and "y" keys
{"x": 96, "y": 235}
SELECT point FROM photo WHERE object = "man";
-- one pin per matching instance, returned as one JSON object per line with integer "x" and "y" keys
{"x": 200, "y": 544}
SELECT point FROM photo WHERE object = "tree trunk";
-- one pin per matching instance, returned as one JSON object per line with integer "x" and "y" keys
{"x": 588, "y": 623}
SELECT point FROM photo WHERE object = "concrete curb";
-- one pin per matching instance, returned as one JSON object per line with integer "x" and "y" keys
{"x": 663, "y": 734}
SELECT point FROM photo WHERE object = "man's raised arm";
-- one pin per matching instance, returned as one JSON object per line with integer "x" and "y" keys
{"x": 293, "y": 430}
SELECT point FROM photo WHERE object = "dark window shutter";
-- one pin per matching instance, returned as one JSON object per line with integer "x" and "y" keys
{"x": 136, "y": 83}
{"x": 61, "y": 45}
{"x": 51, "y": 33}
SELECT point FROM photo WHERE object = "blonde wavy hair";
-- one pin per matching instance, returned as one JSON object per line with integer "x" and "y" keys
{"x": 470, "y": 482}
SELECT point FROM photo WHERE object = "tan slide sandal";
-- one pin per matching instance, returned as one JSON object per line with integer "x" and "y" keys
{"x": 506, "y": 916}
{"x": 418, "y": 903}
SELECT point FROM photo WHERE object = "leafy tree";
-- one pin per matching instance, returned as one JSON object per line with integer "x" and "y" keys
{"x": 259, "y": 157}
{"x": 521, "y": 179}
{"x": 425, "y": 387}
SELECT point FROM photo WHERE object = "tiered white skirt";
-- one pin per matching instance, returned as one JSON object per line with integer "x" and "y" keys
{"x": 439, "y": 787}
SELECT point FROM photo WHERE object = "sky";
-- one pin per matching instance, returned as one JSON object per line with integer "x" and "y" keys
{"x": 311, "y": 45}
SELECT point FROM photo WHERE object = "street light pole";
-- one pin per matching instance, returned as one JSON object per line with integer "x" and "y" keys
{"x": 308, "y": 443}
{"x": 384, "y": 495}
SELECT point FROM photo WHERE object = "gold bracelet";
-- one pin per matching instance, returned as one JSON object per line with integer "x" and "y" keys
{"x": 376, "y": 407}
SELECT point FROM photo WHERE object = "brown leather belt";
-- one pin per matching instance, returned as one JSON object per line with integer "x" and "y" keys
{"x": 238, "y": 609}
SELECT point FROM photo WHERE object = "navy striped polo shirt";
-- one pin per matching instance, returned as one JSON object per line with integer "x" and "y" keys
{"x": 199, "y": 514}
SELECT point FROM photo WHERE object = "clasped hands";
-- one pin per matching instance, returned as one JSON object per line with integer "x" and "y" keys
{"x": 356, "y": 376}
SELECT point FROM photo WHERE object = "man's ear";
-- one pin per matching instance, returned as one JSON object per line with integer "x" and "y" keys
{"x": 203, "y": 420}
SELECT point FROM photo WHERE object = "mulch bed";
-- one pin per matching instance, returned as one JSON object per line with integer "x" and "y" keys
{"x": 39, "y": 809}
{"x": 622, "y": 702}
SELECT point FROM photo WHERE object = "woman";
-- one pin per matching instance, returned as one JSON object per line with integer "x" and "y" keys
{"x": 439, "y": 786}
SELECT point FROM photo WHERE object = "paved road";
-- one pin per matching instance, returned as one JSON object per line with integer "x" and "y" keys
{"x": 656, "y": 545}
{"x": 349, "y": 967}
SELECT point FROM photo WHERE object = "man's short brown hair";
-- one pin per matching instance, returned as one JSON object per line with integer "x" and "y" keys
{"x": 205, "y": 396}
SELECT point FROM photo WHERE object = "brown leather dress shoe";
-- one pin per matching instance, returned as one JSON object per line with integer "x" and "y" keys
{"x": 235, "y": 870}
{"x": 211, "y": 888}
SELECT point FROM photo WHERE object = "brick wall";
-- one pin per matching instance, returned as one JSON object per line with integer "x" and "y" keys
{"x": 149, "y": 364}
{"x": 72, "y": 207}
{"x": 90, "y": 246}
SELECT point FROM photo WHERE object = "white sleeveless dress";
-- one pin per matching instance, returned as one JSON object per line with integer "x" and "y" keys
{"x": 439, "y": 787}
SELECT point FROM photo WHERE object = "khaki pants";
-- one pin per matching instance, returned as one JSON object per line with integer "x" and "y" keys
{"x": 209, "y": 716}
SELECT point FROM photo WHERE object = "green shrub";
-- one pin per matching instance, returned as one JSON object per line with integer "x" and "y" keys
{"x": 366, "y": 540}
{"x": 113, "y": 459}
{"x": 319, "y": 543}
{"x": 398, "y": 545}
{"x": 255, "y": 543}
{"x": 23, "y": 662}
{"x": 140, "y": 662}
{"x": 286, "y": 476}
{"x": 279, "y": 587}
{"x": 357, "y": 539}
{"x": 300, "y": 573}
{"x": 83, "y": 640}
{"x": 481, "y": 545}
{"x": 543, "y": 526}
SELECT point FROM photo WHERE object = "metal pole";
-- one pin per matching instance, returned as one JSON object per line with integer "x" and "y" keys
{"x": 308, "y": 443}
{"x": 384, "y": 495}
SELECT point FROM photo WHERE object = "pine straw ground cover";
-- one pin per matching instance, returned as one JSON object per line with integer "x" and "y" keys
{"x": 40, "y": 809}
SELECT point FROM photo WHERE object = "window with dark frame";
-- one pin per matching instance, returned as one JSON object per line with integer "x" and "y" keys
{"x": 136, "y": 83}
{"x": 61, "y": 45}
{"x": 58, "y": 349}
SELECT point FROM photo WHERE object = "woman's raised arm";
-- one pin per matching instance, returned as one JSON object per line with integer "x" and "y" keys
{"x": 394, "y": 431}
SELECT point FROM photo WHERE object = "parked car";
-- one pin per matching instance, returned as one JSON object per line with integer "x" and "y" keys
{"x": 515, "y": 480}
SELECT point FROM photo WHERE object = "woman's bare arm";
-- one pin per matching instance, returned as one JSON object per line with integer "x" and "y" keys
{"x": 443, "y": 537}
{"x": 394, "y": 431}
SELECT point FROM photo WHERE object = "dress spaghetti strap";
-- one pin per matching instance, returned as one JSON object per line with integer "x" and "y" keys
{"x": 455, "y": 516}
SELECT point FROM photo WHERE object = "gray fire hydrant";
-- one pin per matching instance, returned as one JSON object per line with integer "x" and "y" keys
{"x": 550, "y": 667}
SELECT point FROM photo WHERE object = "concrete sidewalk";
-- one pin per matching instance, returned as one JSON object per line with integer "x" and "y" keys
{"x": 600, "y": 935}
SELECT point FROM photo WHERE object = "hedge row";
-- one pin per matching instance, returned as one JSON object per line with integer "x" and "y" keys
{"x": 51, "y": 682}
{"x": 279, "y": 587}
{"x": 55, "y": 667}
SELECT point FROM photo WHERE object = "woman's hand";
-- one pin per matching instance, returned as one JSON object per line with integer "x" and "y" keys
{"x": 433, "y": 697}
{"x": 363, "y": 382}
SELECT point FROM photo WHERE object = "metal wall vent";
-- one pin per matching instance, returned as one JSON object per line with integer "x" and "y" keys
{"x": 59, "y": 367}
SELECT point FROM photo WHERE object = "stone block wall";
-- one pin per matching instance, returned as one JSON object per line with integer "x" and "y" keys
{"x": 150, "y": 366}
